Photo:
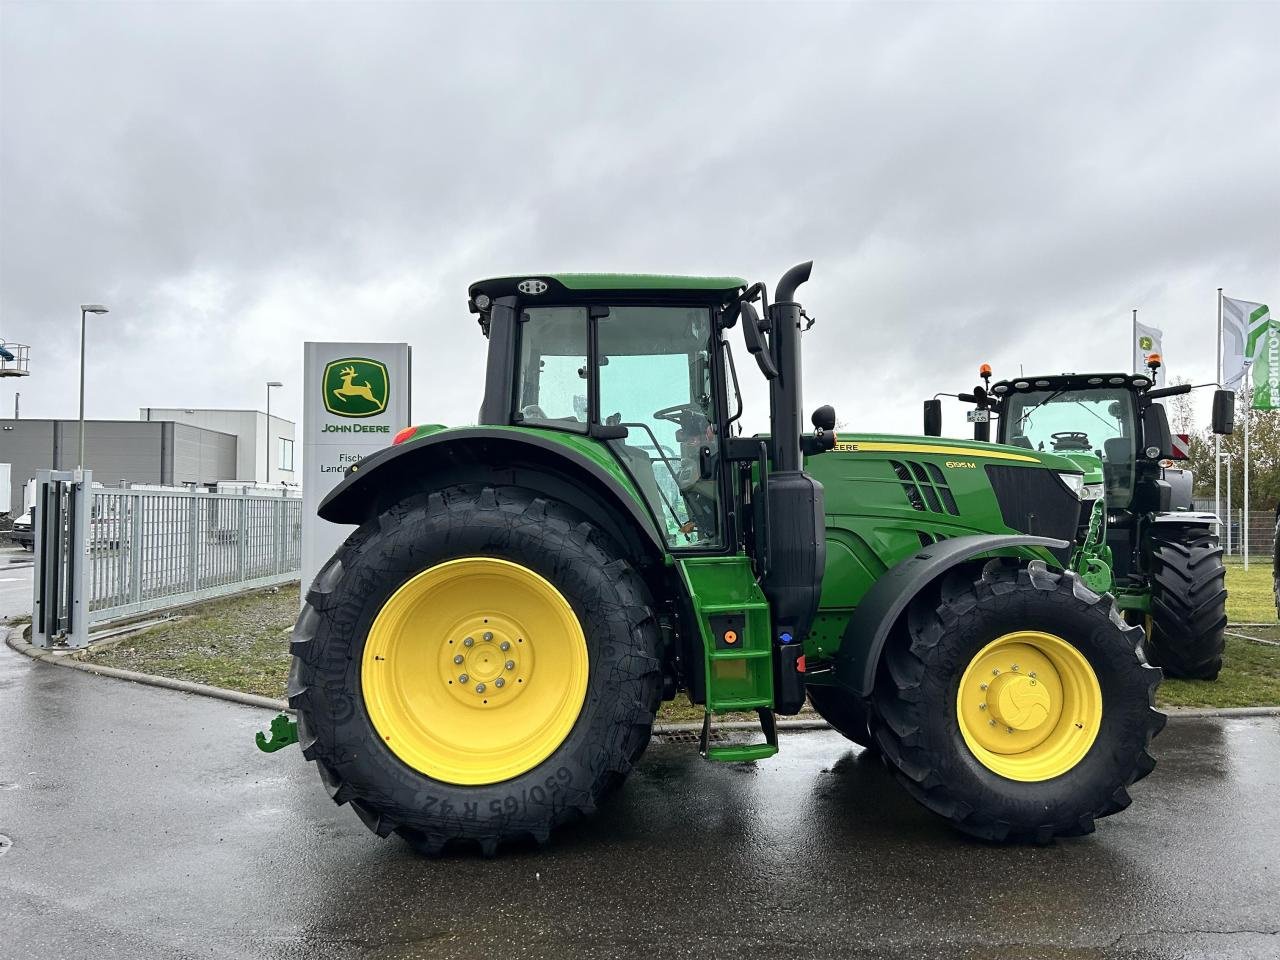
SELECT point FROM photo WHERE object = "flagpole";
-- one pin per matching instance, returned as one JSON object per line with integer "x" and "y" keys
{"x": 1133, "y": 340}
{"x": 1217, "y": 440}
{"x": 1244, "y": 523}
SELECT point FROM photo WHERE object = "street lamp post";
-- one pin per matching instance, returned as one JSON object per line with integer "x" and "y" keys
{"x": 85, "y": 308}
{"x": 270, "y": 384}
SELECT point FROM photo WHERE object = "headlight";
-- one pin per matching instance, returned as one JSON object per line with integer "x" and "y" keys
{"x": 1074, "y": 482}
{"x": 1093, "y": 491}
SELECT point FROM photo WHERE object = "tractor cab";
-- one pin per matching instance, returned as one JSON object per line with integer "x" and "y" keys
{"x": 1092, "y": 420}
{"x": 636, "y": 362}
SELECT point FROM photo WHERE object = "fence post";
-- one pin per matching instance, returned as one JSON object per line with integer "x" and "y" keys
{"x": 277, "y": 537}
{"x": 39, "y": 566}
{"x": 242, "y": 537}
{"x": 193, "y": 525}
{"x": 78, "y": 560}
{"x": 135, "y": 545}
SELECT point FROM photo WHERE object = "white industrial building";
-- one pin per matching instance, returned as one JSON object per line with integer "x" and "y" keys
{"x": 254, "y": 437}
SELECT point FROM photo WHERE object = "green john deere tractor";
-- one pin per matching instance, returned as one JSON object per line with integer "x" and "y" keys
{"x": 482, "y": 660}
{"x": 1138, "y": 537}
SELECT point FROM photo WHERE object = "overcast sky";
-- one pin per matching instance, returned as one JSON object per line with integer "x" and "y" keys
{"x": 979, "y": 182}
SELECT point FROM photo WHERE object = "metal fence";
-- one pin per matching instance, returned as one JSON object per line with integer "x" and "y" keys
{"x": 1261, "y": 531}
{"x": 106, "y": 554}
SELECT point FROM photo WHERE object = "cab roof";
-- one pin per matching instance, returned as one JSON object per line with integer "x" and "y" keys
{"x": 1074, "y": 381}
{"x": 571, "y": 287}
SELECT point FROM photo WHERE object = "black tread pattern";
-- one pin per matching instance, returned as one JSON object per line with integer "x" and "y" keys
{"x": 844, "y": 711}
{"x": 913, "y": 709}
{"x": 624, "y": 685}
{"x": 1188, "y": 603}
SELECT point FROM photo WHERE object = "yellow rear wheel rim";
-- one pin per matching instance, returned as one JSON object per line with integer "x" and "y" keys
{"x": 1029, "y": 706}
{"x": 474, "y": 671}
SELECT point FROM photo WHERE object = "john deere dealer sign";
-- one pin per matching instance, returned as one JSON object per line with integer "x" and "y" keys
{"x": 357, "y": 398}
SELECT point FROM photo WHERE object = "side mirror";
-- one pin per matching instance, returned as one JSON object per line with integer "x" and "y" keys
{"x": 1157, "y": 441}
{"x": 756, "y": 344}
{"x": 933, "y": 418}
{"x": 824, "y": 418}
{"x": 1224, "y": 412}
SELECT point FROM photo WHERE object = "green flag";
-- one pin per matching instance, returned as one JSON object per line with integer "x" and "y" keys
{"x": 1252, "y": 324}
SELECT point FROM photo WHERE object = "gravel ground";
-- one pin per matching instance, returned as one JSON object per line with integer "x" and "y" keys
{"x": 241, "y": 643}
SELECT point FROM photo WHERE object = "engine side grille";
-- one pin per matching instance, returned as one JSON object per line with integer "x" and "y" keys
{"x": 925, "y": 486}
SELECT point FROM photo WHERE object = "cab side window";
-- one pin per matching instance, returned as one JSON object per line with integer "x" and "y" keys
{"x": 552, "y": 386}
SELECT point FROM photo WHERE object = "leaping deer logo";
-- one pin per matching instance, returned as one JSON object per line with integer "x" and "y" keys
{"x": 355, "y": 387}
{"x": 350, "y": 388}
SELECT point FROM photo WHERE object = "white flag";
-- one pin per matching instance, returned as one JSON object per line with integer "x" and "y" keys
{"x": 1146, "y": 341}
{"x": 1240, "y": 321}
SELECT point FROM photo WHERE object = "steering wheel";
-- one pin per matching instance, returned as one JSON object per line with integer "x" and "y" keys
{"x": 1070, "y": 440}
{"x": 672, "y": 414}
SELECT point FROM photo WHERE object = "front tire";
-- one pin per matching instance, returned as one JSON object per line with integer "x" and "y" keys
{"x": 514, "y": 750}
{"x": 1188, "y": 603}
{"x": 1003, "y": 754}
{"x": 846, "y": 713}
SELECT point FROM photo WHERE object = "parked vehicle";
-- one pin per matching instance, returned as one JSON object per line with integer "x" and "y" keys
{"x": 482, "y": 660}
{"x": 23, "y": 532}
{"x": 1138, "y": 538}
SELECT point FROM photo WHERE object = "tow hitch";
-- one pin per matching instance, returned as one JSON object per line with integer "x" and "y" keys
{"x": 283, "y": 732}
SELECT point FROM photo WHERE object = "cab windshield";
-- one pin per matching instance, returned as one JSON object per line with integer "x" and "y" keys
{"x": 1083, "y": 423}
{"x": 654, "y": 378}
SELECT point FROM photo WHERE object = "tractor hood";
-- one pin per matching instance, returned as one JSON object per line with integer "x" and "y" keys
{"x": 899, "y": 493}
{"x": 1089, "y": 463}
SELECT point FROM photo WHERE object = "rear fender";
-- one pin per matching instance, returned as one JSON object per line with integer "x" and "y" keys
{"x": 494, "y": 455}
{"x": 862, "y": 644}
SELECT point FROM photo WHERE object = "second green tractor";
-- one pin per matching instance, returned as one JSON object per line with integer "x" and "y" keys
{"x": 482, "y": 660}
{"x": 1138, "y": 536}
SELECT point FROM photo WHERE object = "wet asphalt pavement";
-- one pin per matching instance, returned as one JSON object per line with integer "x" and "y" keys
{"x": 144, "y": 824}
{"x": 15, "y": 581}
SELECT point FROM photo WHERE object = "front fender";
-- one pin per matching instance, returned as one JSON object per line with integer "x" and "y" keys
{"x": 555, "y": 464}
{"x": 865, "y": 634}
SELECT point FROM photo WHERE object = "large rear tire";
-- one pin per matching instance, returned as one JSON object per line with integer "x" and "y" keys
{"x": 1188, "y": 603}
{"x": 477, "y": 665}
{"x": 844, "y": 712}
{"x": 1018, "y": 707}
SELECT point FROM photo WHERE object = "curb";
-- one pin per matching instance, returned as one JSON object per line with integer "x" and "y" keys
{"x": 1224, "y": 713}
{"x": 13, "y": 638}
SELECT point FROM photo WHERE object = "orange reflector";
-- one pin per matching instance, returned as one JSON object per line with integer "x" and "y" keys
{"x": 404, "y": 435}
{"x": 800, "y": 664}
{"x": 730, "y": 636}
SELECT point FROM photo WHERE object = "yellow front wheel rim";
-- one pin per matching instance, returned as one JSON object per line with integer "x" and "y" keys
{"x": 474, "y": 671}
{"x": 1029, "y": 706}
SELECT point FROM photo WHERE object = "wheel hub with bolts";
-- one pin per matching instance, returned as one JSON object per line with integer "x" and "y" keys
{"x": 492, "y": 659}
{"x": 449, "y": 670}
{"x": 1029, "y": 706}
